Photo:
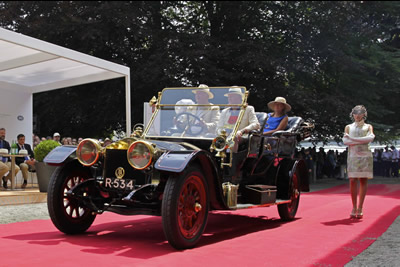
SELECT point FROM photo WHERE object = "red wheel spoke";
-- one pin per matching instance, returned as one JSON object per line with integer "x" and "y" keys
{"x": 192, "y": 192}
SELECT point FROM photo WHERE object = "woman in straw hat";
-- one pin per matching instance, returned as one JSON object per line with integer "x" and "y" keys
{"x": 357, "y": 136}
{"x": 278, "y": 119}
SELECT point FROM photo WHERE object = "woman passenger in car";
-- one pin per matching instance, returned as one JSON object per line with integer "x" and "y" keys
{"x": 277, "y": 120}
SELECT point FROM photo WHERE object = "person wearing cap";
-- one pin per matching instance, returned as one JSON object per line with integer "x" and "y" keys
{"x": 107, "y": 141}
{"x": 209, "y": 115}
{"x": 230, "y": 115}
{"x": 56, "y": 137}
{"x": 277, "y": 120}
{"x": 357, "y": 137}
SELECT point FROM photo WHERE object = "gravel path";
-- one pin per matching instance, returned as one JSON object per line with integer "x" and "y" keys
{"x": 385, "y": 251}
{"x": 22, "y": 213}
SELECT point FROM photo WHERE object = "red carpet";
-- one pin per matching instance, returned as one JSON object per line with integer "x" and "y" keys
{"x": 322, "y": 235}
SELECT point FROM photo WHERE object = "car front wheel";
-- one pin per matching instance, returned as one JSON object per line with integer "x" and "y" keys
{"x": 66, "y": 213}
{"x": 185, "y": 208}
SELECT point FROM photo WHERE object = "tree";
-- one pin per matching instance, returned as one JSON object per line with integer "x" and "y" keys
{"x": 324, "y": 57}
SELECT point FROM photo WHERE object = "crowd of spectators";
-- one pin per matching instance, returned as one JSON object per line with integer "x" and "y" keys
{"x": 56, "y": 137}
{"x": 64, "y": 140}
{"x": 333, "y": 164}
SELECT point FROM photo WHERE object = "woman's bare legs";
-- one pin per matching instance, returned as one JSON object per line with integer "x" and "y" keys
{"x": 363, "y": 192}
{"x": 353, "y": 193}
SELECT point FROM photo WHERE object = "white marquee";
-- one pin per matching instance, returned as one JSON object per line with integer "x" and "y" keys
{"x": 29, "y": 65}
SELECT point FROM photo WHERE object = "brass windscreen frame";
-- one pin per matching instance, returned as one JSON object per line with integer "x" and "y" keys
{"x": 242, "y": 106}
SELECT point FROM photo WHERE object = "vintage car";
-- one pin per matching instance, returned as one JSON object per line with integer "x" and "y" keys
{"x": 178, "y": 168}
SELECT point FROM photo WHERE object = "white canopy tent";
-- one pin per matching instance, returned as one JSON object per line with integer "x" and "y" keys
{"x": 29, "y": 65}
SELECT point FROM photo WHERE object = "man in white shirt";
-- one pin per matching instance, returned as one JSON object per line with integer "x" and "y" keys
{"x": 230, "y": 115}
{"x": 386, "y": 160}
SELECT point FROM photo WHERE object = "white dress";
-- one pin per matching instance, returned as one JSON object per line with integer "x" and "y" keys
{"x": 359, "y": 158}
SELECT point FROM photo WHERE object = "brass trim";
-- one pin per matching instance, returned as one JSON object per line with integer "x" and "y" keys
{"x": 151, "y": 149}
{"x": 242, "y": 106}
{"x": 99, "y": 151}
{"x": 119, "y": 172}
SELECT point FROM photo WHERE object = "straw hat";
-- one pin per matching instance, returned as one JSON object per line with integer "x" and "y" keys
{"x": 281, "y": 100}
{"x": 204, "y": 88}
{"x": 234, "y": 90}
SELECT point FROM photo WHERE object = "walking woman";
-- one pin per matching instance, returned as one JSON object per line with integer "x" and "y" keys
{"x": 357, "y": 136}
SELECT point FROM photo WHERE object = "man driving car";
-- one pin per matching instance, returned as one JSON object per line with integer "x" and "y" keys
{"x": 209, "y": 115}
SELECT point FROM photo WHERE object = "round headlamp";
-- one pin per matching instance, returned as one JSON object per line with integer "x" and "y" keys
{"x": 140, "y": 154}
{"x": 219, "y": 143}
{"x": 88, "y": 152}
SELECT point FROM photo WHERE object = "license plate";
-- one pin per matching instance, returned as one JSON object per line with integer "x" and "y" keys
{"x": 119, "y": 183}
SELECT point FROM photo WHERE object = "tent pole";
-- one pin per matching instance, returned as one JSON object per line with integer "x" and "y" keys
{"x": 128, "y": 104}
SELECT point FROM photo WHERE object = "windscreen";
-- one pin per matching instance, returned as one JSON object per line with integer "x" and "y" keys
{"x": 196, "y": 112}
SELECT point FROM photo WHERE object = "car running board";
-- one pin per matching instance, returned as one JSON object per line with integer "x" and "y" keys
{"x": 247, "y": 206}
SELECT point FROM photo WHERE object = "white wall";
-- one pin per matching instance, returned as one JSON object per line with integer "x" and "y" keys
{"x": 16, "y": 114}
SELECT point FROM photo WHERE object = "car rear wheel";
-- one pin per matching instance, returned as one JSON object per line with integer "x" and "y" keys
{"x": 288, "y": 211}
{"x": 185, "y": 208}
{"x": 66, "y": 213}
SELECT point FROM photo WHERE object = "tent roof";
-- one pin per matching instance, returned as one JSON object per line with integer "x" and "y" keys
{"x": 35, "y": 66}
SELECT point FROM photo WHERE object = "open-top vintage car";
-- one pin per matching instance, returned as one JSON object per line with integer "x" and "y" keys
{"x": 178, "y": 168}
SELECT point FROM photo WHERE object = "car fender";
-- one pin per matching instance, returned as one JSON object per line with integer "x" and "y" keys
{"x": 60, "y": 155}
{"x": 177, "y": 161}
{"x": 304, "y": 183}
{"x": 286, "y": 169}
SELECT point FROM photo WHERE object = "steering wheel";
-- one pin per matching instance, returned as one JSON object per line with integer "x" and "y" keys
{"x": 189, "y": 123}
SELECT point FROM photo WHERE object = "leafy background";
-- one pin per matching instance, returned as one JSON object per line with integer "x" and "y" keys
{"x": 324, "y": 57}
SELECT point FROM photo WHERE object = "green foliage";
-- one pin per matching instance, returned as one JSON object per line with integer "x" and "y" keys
{"x": 44, "y": 148}
{"x": 324, "y": 57}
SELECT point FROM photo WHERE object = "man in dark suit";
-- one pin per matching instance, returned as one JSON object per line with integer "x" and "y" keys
{"x": 26, "y": 162}
{"x": 5, "y": 164}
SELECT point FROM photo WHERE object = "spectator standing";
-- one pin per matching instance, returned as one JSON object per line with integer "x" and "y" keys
{"x": 331, "y": 164}
{"x": 386, "y": 162}
{"x": 56, "y": 137}
{"x": 36, "y": 140}
{"x": 320, "y": 162}
{"x": 395, "y": 162}
{"x": 309, "y": 161}
{"x": 379, "y": 163}
{"x": 27, "y": 162}
{"x": 64, "y": 141}
{"x": 342, "y": 159}
{"x": 357, "y": 137}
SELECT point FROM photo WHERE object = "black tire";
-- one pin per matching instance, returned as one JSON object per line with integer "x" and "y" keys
{"x": 185, "y": 208}
{"x": 66, "y": 214}
{"x": 287, "y": 212}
